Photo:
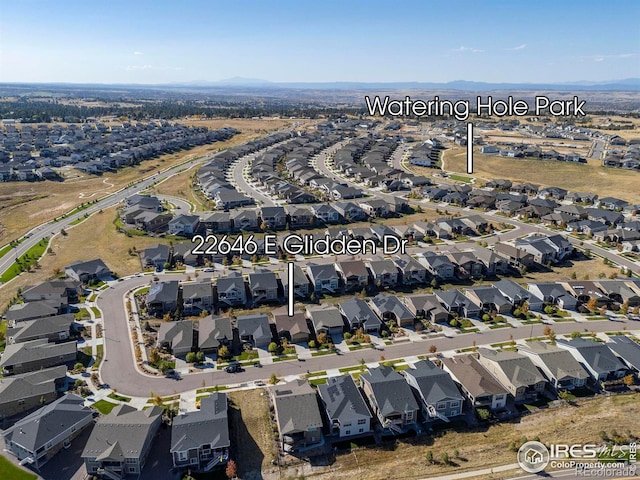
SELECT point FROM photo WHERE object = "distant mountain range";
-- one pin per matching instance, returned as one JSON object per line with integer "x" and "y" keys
{"x": 629, "y": 84}
{"x": 254, "y": 84}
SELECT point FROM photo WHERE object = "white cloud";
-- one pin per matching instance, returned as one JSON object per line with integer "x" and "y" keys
{"x": 462, "y": 48}
{"x": 137, "y": 53}
{"x": 519, "y": 47}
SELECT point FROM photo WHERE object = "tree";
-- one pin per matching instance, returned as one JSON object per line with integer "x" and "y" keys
{"x": 312, "y": 344}
{"x": 78, "y": 367}
{"x": 190, "y": 357}
{"x": 629, "y": 380}
{"x": 223, "y": 351}
{"x": 483, "y": 414}
{"x": 486, "y": 317}
{"x": 273, "y": 379}
{"x": 347, "y": 336}
{"x": 433, "y": 349}
{"x": 456, "y": 453}
{"x": 273, "y": 347}
{"x": 592, "y": 305}
{"x": 200, "y": 357}
{"x": 445, "y": 458}
{"x": 231, "y": 471}
{"x": 575, "y": 334}
{"x": 322, "y": 338}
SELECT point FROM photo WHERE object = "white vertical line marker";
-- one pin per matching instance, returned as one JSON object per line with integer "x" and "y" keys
{"x": 469, "y": 147}
{"x": 290, "y": 289}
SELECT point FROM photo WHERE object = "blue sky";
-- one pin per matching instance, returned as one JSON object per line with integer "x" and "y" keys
{"x": 140, "y": 41}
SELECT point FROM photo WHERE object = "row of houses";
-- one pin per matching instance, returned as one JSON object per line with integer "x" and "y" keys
{"x": 522, "y": 150}
{"x": 396, "y": 402}
{"x": 95, "y": 150}
{"x": 628, "y": 159}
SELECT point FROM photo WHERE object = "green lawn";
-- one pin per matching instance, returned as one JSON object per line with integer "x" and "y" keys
{"x": 96, "y": 312}
{"x": 9, "y": 471}
{"x": 103, "y": 406}
{"x": 120, "y": 398}
{"x": 322, "y": 352}
{"x": 460, "y": 178}
{"x": 82, "y": 313}
{"x": 26, "y": 261}
{"x": 318, "y": 381}
{"x": 99, "y": 355}
{"x": 7, "y": 248}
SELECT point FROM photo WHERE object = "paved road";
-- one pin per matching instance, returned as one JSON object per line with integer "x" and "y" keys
{"x": 118, "y": 368}
{"x": 244, "y": 186}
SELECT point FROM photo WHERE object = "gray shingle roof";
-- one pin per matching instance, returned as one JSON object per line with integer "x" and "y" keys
{"x": 342, "y": 398}
{"x": 213, "y": 329}
{"x": 207, "y": 426}
{"x": 392, "y": 393}
{"x": 177, "y": 334}
{"x": 43, "y": 425}
{"x": 559, "y": 361}
{"x": 627, "y": 349}
{"x": 33, "y": 350}
{"x": 31, "y": 310}
{"x": 121, "y": 434}
{"x": 296, "y": 407}
{"x": 163, "y": 292}
{"x": 358, "y": 312}
{"x": 519, "y": 369}
{"x": 473, "y": 376}
{"x": 40, "y": 327}
{"x": 596, "y": 354}
{"x": 435, "y": 384}
{"x": 391, "y": 304}
{"x": 31, "y": 384}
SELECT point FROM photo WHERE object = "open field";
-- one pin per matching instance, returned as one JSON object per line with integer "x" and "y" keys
{"x": 95, "y": 237}
{"x": 489, "y": 447}
{"x": 251, "y": 433}
{"x": 26, "y": 204}
{"x": 590, "y": 177}
{"x": 180, "y": 186}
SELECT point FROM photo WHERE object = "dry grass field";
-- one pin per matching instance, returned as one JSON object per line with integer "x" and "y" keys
{"x": 590, "y": 177}
{"x": 95, "y": 237}
{"x": 24, "y": 204}
{"x": 251, "y": 433}
{"x": 180, "y": 186}
{"x": 485, "y": 448}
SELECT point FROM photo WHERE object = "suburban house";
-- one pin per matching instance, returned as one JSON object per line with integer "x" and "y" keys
{"x": 21, "y": 312}
{"x": 391, "y": 398}
{"x": 383, "y": 273}
{"x": 359, "y": 314}
{"x": 36, "y": 438}
{"x": 184, "y": 225}
{"x": 390, "y": 308}
{"x": 197, "y": 297}
{"x": 200, "y": 439}
{"x": 554, "y": 294}
{"x": 163, "y": 297}
{"x": 86, "y": 271}
{"x": 478, "y": 385}
{"x": 426, "y": 306}
{"x": 214, "y": 332}
{"x": 514, "y": 256}
{"x": 156, "y": 257}
{"x": 19, "y": 393}
{"x": 518, "y": 295}
{"x": 626, "y": 349}
{"x": 245, "y": 220}
{"x": 273, "y": 218}
{"x": 294, "y": 329}
{"x": 54, "y": 329}
{"x": 63, "y": 291}
{"x": 466, "y": 264}
{"x": 263, "y": 285}
{"x": 438, "y": 265}
{"x": 182, "y": 252}
{"x": 177, "y": 337}
{"x": 515, "y": 372}
{"x": 557, "y": 364}
{"x": 324, "y": 278}
{"x": 301, "y": 287}
{"x": 231, "y": 290}
{"x": 545, "y": 249}
{"x": 595, "y": 357}
{"x": 298, "y": 416}
{"x": 35, "y": 355}
{"x": 120, "y": 442}
{"x": 254, "y": 329}
{"x": 438, "y": 392}
{"x": 489, "y": 299}
{"x": 346, "y": 410}
{"x": 455, "y": 302}
{"x": 326, "y": 319}
{"x": 411, "y": 271}
{"x": 216, "y": 222}
{"x": 354, "y": 275}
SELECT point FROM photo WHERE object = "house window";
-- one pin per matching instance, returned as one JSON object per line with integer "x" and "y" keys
{"x": 130, "y": 460}
{"x": 132, "y": 469}
{"x": 20, "y": 402}
{"x": 182, "y": 456}
{"x": 441, "y": 406}
{"x": 347, "y": 432}
{"x": 409, "y": 415}
{"x": 360, "y": 430}
{"x": 348, "y": 424}
{"x": 362, "y": 421}
{"x": 454, "y": 404}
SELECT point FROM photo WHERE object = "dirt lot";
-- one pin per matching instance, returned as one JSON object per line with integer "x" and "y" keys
{"x": 581, "y": 177}
{"x": 251, "y": 435}
{"x": 484, "y": 448}
{"x": 25, "y": 204}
